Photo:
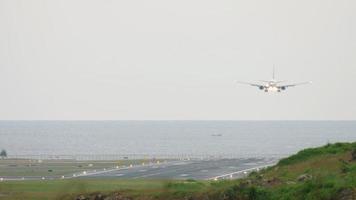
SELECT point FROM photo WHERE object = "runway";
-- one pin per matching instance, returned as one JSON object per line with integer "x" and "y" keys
{"x": 190, "y": 169}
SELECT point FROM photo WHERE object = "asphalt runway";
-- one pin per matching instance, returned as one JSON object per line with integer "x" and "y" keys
{"x": 192, "y": 169}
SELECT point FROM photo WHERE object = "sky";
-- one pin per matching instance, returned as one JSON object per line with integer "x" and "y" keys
{"x": 176, "y": 60}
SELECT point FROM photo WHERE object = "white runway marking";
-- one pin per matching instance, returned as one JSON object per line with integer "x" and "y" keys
{"x": 249, "y": 164}
{"x": 184, "y": 175}
{"x": 147, "y": 175}
{"x": 181, "y": 163}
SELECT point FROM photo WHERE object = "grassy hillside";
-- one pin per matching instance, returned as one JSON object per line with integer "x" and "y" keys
{"x": 328, "y": 172}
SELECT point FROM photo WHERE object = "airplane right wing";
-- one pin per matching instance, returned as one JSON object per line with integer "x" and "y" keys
{"x": 292, "y": 85}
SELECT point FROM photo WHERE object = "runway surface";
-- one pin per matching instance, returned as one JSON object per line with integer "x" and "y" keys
{"x": 193, "y": 169}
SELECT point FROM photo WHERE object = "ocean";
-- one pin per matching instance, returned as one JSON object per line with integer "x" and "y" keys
{"x": 211, "y": 138}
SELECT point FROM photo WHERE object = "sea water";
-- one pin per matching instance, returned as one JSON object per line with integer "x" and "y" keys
{"x": 244, "y": 138}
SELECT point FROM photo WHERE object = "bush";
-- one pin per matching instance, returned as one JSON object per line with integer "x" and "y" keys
{"x": 353, "y": 154}
{"x": 345, "y": 166}
{"x": 3, "y": 153}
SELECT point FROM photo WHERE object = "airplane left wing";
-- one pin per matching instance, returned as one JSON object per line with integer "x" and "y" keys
{"x": 252, "y": 84}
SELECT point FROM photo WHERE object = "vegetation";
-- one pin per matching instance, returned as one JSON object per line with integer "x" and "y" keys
{"x": 70, "y": 189}
{"x": 3, "y": 154}
{"x": 327, "y": 172}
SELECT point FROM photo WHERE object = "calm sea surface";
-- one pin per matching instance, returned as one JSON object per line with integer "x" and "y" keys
{"x": 170, "y": 137}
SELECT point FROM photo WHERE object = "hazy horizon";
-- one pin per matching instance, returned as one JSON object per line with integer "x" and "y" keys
{"x": 176, "y": 60}
{"x": 170, "y": 137}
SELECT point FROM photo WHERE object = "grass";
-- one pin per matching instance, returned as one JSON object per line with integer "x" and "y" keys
{"x": 325, "y": 173}
{"x": 58, "y": 189}
{"x": 326, "y": 150}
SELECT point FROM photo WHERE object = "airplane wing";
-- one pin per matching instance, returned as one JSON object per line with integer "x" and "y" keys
{"x": 292, "y": 85}
{"x": 252, "y": 84}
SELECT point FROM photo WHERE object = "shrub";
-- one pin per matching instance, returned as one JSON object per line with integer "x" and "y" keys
{"x": 3, "y": 153}
{"x": 345, "y": 166}
{"x": 353, "y": 154}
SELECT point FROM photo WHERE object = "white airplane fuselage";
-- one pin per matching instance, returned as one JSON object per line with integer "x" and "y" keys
{"x": 271, "y": 86}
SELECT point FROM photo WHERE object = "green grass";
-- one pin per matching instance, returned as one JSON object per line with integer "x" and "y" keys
{"x": 59, "y": 189}
{"x": 328, "y": 149}
{"x": 329, "y": 171}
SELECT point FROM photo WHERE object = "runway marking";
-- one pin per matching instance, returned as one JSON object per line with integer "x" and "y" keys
{"x": 184, "y": 175}
{"x": 249, "y": 164}
{"x": 181, "y": 163}
{"x": 99, "y": 172}
{"x": 147, "y": 175}
{"x": 241, "y": 171}
{"x": 118, "y": 169}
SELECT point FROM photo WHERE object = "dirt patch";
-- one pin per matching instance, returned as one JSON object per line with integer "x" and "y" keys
{"x": 99, "y": 196}
{"x": 2, "y": 195}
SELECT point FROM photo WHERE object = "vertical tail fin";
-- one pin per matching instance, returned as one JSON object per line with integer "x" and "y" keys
{"x": 273, "y": 74}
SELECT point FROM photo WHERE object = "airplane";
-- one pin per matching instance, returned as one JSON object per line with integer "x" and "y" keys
{"x": 273, "y": 85}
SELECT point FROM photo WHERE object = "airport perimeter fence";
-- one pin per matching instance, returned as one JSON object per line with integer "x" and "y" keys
{"x": 84, "y": 157}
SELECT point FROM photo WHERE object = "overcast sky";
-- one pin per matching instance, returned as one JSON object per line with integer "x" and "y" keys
{"x": 172, "y": 60}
